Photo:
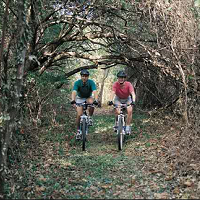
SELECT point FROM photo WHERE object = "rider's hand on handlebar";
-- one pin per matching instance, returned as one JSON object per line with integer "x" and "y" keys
{"x": 95, "y": 102}
{"x": 110, "y": 103}
{"x": 73, "y": 102}
{"x": 133, "y": 103}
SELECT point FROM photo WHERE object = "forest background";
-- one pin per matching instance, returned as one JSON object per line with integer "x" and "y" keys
{"x": 44, "y": 45}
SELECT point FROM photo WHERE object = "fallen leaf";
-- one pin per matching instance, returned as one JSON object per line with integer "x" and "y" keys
{"x": 42, "y": 179}
{"x": 198, "y": 187}
{"x": 40, "y": 189}
{"x": 176, "y": 190}
{"x": 133, "y": 180}
{"x": 106, "y": 186}
{"x": 163, "y": 195}
{"x": 188, "y": 183}
{"x": 168, "y": 178}
{"x": 27, "y": 189}
{"x": 185, "y": 196}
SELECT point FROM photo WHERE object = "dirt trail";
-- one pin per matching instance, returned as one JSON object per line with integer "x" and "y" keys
{"x": 59, "y": 169}
{"x": 136, "y": 172}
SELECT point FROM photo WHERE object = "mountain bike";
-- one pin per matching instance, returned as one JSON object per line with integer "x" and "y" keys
{"x": 121, "y": 124}
{"x": 84, "y": 122}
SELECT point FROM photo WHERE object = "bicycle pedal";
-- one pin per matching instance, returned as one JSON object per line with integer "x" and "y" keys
{"x": 78, "y": 138}
{"x": 90, "y": 122}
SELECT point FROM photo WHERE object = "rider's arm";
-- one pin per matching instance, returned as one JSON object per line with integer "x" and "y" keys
{"x": 94, "y": 89}
{"x": 74, "y": 90}
{"x": 132, "y": 91}
{"x": 133, "y": 96}
{"x": 113, "y": 91}
{"x": 74, "y": 95}
{"x": 95, "y": 94}
{"x": 112, "y": 96}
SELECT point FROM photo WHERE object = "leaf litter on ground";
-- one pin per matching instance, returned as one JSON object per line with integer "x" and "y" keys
{"x": 58, "y": 168}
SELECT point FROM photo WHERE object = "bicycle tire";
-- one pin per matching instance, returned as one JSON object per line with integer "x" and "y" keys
{"x": 84, "y": 127}
{"x": 120, "y": 135}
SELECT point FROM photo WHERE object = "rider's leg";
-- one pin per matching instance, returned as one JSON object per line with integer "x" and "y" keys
{"x": 91, "y": 109}
{"x": 117, "y": 110}
{"x": 129, "y": 112}
{"x": 117, "y": 101}
{"x": 129, "y": 119}
{"x": 129, "y": 115}
{"x": 79, "y": 110}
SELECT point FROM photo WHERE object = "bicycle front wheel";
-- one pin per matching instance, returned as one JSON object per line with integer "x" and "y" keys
{"x": 84, "y": 127}
{"x": 120, "y": 134}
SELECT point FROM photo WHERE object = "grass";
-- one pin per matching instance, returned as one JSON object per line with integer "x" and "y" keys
{"x": 54, "y": 166}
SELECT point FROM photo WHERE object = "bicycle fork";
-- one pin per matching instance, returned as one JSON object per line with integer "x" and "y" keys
{"x": 84, "y": 118}
{"x": 122, "y": 117}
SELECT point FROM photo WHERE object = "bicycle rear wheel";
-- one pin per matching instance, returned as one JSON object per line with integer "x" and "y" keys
{"x": 84, "y": 127}
{"x": 120, "y": 134}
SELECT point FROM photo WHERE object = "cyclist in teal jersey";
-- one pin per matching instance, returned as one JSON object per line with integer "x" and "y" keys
{"x": 84, "y": 89}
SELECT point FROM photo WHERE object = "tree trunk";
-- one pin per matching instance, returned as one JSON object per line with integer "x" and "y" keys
{"x": 10, "y": 109}
{"x": 105, "y": 75}
{"x": 2, "y": 135}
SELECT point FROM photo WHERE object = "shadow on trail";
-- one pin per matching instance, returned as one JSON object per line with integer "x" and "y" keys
{"x": 101, "y": 136}
{"x": 59, "y": 169}
{"x": 106, "y": 172}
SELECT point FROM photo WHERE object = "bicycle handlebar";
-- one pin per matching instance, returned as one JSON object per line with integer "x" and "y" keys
{"x": 122, "y": 105}
{"x": 85, "y": 104}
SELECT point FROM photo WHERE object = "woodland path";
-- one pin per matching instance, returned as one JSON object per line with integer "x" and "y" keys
{"x": 59, "y": 169}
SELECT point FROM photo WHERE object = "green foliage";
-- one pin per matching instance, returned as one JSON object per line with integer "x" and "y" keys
{"x": 47, "y": 79}
{"x": 101, "y": 166}
{"x": 58, "y": 168}
{"x": 52, "y": 33}
{"x": 197, "y": 3}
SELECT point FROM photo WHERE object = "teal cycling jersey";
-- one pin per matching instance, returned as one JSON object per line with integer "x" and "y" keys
{"x": 84, "y": 90}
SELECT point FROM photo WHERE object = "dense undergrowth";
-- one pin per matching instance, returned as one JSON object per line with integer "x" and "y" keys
{"x": 49, "y": 163}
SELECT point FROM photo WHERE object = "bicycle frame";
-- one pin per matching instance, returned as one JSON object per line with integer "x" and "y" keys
{"x": 121, "y": 120}
{"x": 84, "y": 121}
{"x": 84, "y": 117}
{"x": 122, "y": 116}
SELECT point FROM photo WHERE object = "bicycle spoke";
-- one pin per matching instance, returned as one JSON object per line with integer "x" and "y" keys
{"x": 120, "y": 134}
{"x": 84, "y": 127}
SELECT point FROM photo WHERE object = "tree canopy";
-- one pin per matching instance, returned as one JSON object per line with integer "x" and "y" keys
{"x": 44, "y": 43}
